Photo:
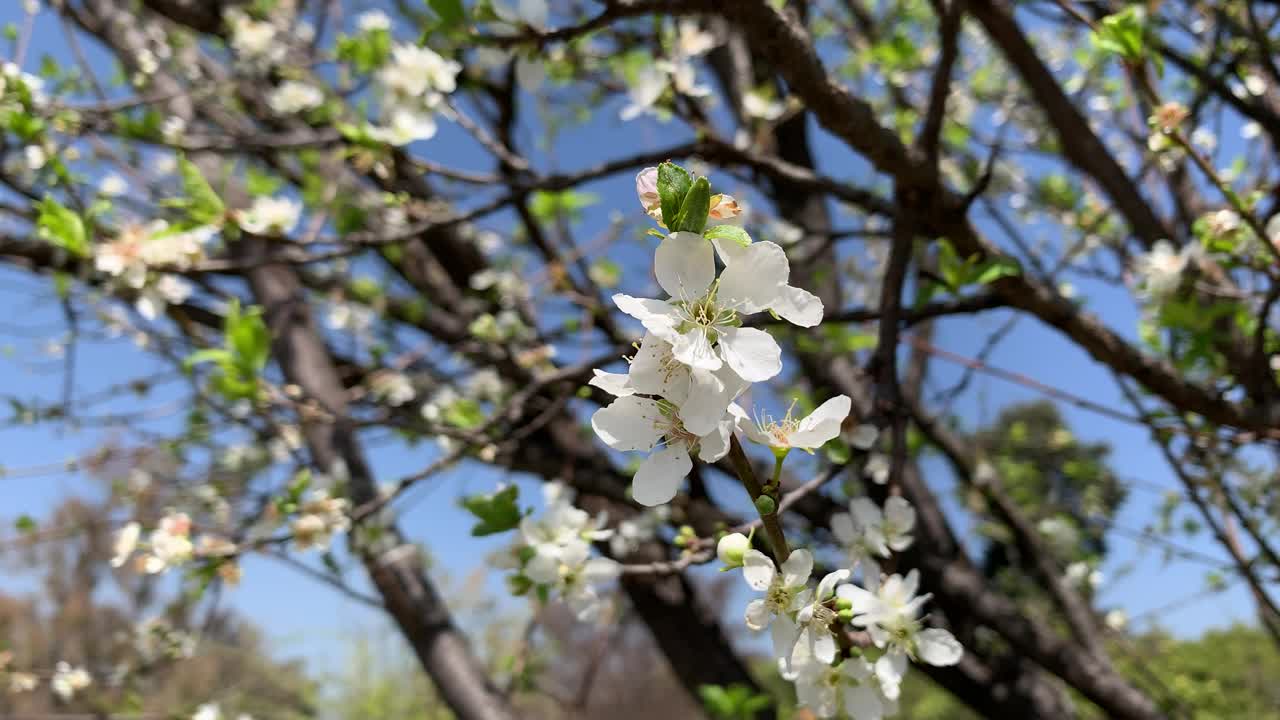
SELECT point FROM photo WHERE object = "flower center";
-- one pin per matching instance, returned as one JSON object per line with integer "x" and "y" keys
{"x": 706, "y": 314}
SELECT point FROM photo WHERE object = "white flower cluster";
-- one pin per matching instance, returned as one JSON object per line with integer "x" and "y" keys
{"x": 676, "y": 71}
{"x": 256, "y": 42}
{"x": 697, "y": 357}
{"x": 412, "y": 87}
{"x": 139, "y": 255}
{"x": 804, "y": 625}
{"x": 170, "y": 545}
{"x": 65, "y": 682}
{"x": 678, "y": 399}
{"x": 320, "y": 517}
{"x": 552, "y": 555}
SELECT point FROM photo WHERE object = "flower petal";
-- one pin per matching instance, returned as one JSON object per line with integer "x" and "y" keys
{"x": 938, "y": 647}
{"x": 757, "y": 569}
{"x": 656, "y": 315}
{"x": 660, "y": 474}
{"x": 754, "y": 281}
{"x": 828, "y": 583}
{"x": 715, "y": 444}
{"x": 822, "y": 424}
{"x": 685, "y": 265}
{"x": 752, "y": 353}
{"x": 824, "y": 645}
{"x": 863, "y": 702}
{"x": 693, "y": 348}
{"x": 758, "y": 615}
{"x": 889, "y": 671}
{"x": 705, "y": 404}
{"x": 616, "y": 384}
{"x": 798, "y": 567}
{"x": 655, "y": 372}
{"x": 798, "y": 306}
{"x": 628, "y": 423}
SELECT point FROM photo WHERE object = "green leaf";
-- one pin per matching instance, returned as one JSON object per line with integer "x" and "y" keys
{"x": 496, "y": 511}
{"x": 202, "y": 204}
{"x": 62, "y": 227}
{"x": 731, "y": 233}
{"x": 247, "y": 338}
{"x": 694, "y": 210}
{"x": 25, "y": 524}
{"x": 673, "y": 185}
{"x": 450, "y": 12}
{"x": 1123, "y": 34}
{"x": 258, "y": 182}
{"x": 996, "y": 268}
{"x": 465, "y": 414}
{"x": 208, "y": 355}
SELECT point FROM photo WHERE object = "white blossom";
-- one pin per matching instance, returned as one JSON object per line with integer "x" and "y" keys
{"x": 636, "y": 423}
{"x": 807, "y": 433}
{"x": 756, "y": 105}
{"x": 294, "y": 97}
{"x": 126, "y": 541}
{"x": 371, "y": 20}
{"x": 781, "y": 588}
{"x": 890, "y": 612}
{"x": 68, "y": 680}
{"x": 270, "y": 216}
{"x": 866, "y": 532}
{"x": 254, "y": 41}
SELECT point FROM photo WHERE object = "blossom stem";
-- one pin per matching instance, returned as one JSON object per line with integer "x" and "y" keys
{"x": 776, "y": 481}
{"x": 747, "y": 474}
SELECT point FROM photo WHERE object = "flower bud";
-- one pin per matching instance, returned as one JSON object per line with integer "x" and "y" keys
{"x": 844, "y": 604}
{"x": 845, "y": 615}
{"x": 731, "y": 548}
{"x": 765, "y": 505}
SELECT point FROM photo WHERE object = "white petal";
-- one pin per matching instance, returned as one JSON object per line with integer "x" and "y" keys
{"x": 715, "y": 444}
{"x": 784, "y": 633}
{"x": 755, "y": 279}
{"x": 938, "y": 647}
{"x": 798, "y": 306}
{"x": 889, "y": 671}
{"x": 798, "y": 567}
{"x": 616, "y": 384}
{"x": 660, "y": 474}
{"x": 655, "y": 372}
{"x": 685, "y": 265}
{"x": 822, "y": 424}
{"x": 758, "y": 615}
{"x": 862, "y": 600}
{"x": 864, "y": 436}
{"x": 865, "y": 512}
{"x": 600, "y": 570}
{"x": 824, "y": 645}
{"x": 728, "y": 250}
{"x": 705, "y": 404}
{"x": 828, "y": 584}
{"x": 752, "y": 353}
{"x": 628, "y": 423}
{"x": 655, "y": 315}
{"x": 757, "y": 569}
{"x": 694, "y": 349}
{"x": 842, "y": 528}
{"x": 863, "y": 702}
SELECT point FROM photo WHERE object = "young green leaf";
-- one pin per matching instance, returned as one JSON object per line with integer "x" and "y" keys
{"x": 694, "y": 210}
{"x": 728, "y": 233}
{"x": 497, "y": 511}
{"x": 673, "y": 185}
{"x": 62, "y": 227}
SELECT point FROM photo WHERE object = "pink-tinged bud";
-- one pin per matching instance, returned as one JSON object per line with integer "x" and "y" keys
{"x": 647, "y": 191}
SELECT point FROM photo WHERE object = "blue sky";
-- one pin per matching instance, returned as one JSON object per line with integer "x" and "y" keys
{"x": 309, "y": 619}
